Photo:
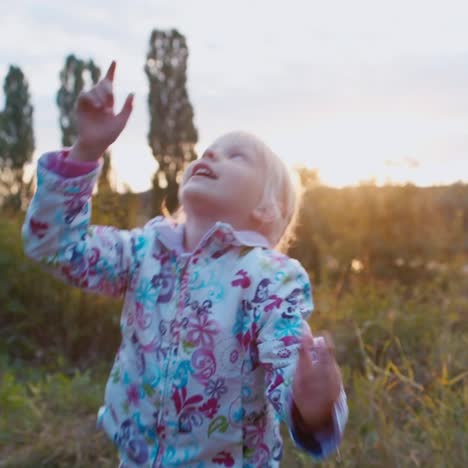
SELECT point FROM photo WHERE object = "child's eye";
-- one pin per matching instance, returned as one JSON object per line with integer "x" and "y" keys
{"x": 236, "y": 155}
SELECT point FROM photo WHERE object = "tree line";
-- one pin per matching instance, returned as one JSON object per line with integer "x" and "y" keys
{"x": 394, "y": 231}
{"x": 172, "y": 135}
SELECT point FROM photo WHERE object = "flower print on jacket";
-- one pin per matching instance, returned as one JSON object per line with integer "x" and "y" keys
{"x": 243, "y": 280}
{"x": 203, "y": 365}
{"x": 187, "y": 409}
{"x": 73, "y": 206}
{"x": 201, "y": 330}
{"x": 204, "y": 308}
{"x": 38, "y": 229}
{"x": 210, "y": 408}
{"x": 216, "y": 388}
{"x": 223, "y": 458}
{"x": 204, "y": 372}
{"x": 140, "y": 361}
{"x": 164, "y": 281}
{"x": 261, "y": 293}
{"x": 146, "y": 293}
{"x": 132, "y": 443}
{"x": 133, "y": 395}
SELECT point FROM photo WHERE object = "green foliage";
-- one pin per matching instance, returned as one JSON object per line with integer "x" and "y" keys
{"x": 172, "y": 136}
{"x": 394, "y": 232}
{"x": 49, "y": 419}
{"x": 402, "y": 358}
{"x": 113, "y": 209}
{"x": 43, "y": 320}
{"x": 400, "y": 332}
{"x": 16, "y": 138}
{"x": 402, "y": 352}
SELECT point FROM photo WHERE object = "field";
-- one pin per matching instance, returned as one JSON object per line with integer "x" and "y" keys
{"x": 401, "y": 341}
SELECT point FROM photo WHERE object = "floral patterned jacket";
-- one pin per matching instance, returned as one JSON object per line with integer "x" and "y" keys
{"x": 209, "y": 338}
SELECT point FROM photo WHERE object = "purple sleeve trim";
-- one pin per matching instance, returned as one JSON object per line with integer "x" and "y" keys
{"x": 58, "y": 163}
{"x": 323, "y": 444}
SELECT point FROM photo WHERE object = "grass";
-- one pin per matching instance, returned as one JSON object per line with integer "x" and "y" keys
{"x": 50, "y": 420}
{"x": 402, "y": 352}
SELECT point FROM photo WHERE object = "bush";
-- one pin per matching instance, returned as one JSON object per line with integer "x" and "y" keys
{"x": 399, "y": 325}
{"x": 46, "y": 321}
{"x": 49, "y": 419}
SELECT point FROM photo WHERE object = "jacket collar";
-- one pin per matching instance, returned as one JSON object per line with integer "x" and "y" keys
{"x": 172, "y": 235}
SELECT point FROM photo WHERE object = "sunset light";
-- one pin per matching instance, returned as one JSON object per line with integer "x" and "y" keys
{"x": 233, "y": 233}
{"x": 357, "y": 91}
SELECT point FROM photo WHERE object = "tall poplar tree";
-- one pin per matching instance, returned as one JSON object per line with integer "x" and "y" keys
{"x": 16, "y": 136}
{"x": 172, "y": 135}
{"x": 72, "y": 82}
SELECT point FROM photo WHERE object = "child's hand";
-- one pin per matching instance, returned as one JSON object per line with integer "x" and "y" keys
{"x": 98, "y": 126}
{"x": 317, "y": 383}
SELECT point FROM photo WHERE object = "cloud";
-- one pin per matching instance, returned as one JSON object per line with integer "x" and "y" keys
{"x": 360, "y": 82}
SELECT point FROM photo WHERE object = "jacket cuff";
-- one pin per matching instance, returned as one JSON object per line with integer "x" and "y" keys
{"x": 320, "y": 444}
{"x": 59, "y": 163}
{"x": 48, "y": 166}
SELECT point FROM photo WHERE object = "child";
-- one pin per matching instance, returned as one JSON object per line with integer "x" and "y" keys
{"x": 215, "y": 347}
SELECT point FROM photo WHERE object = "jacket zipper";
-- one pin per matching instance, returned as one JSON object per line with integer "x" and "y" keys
{"x": 173, "y": 346}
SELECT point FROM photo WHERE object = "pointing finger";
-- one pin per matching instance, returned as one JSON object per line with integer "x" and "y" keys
{"x": 127, "y": 108}
{"x": 111, "y": 71}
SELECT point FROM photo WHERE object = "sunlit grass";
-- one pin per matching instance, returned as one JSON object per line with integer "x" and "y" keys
{"x": 403, "y": 358}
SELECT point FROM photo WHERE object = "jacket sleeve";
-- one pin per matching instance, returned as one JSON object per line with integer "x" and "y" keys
{"x": 285, "y": 312}
{"x": 57, "y": 234}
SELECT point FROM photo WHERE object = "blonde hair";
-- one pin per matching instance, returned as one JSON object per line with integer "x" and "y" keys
{"x": 281, "y": 198}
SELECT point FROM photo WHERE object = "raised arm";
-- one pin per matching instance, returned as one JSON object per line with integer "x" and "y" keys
{"x": 56, "y": 230}
{"x": 57, "y": 234}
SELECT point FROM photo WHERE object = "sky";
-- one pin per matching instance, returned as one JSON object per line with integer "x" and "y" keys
{"x": 362, "y": 90}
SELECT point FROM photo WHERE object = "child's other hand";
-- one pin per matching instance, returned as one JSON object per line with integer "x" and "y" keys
{"x": 317, "y": 383}
{"x": 97, "y": 124}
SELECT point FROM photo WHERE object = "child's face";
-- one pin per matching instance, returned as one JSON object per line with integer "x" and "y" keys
{"x": 227, "y": 182}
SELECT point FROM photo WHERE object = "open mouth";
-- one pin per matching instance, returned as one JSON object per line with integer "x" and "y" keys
{"x": 203, "y": 170}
